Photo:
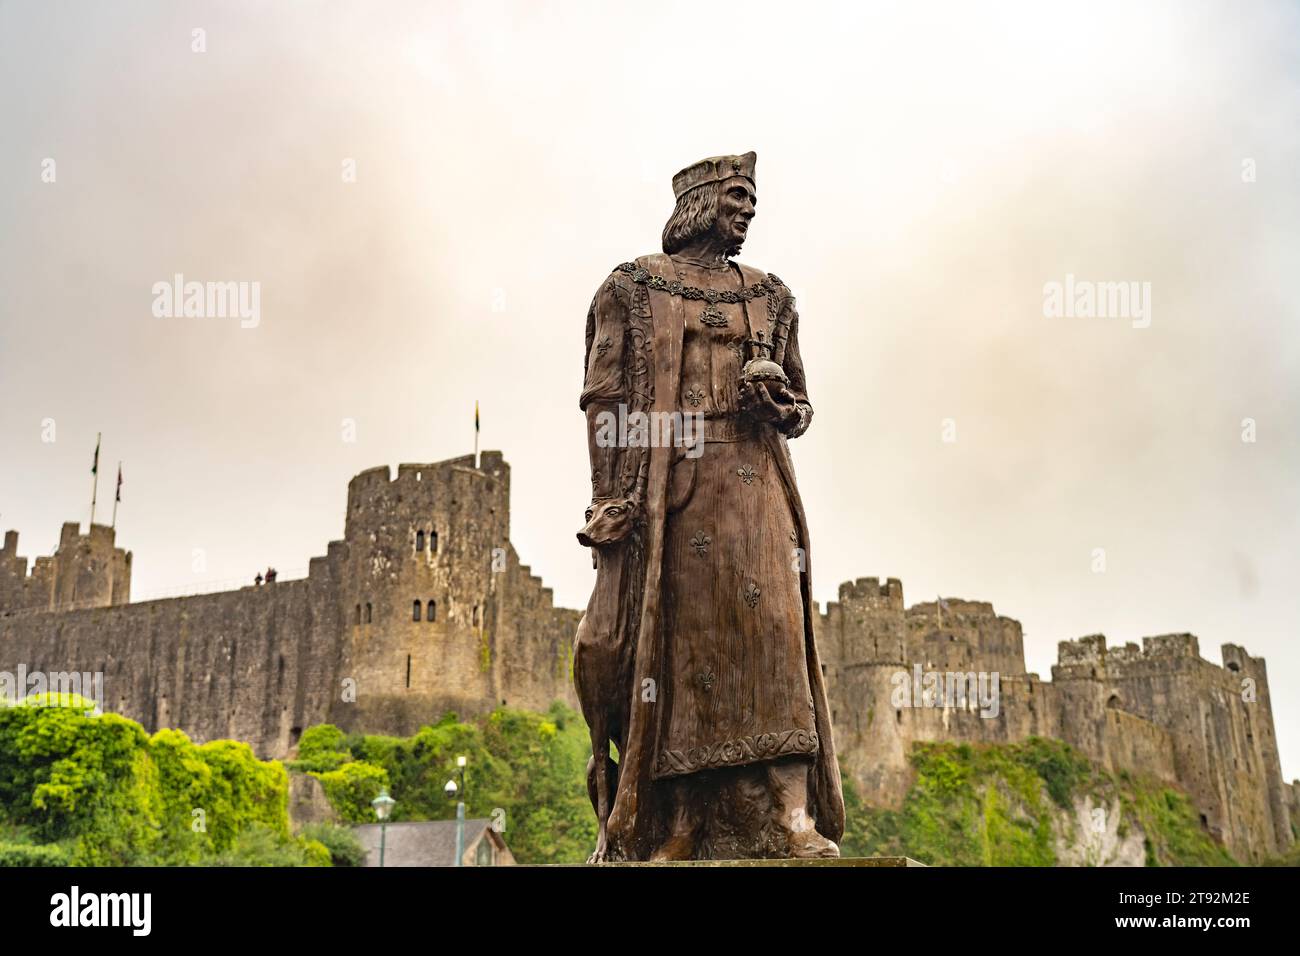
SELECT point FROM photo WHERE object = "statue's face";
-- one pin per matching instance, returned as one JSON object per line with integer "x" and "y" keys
{"x": 736, "y": 202}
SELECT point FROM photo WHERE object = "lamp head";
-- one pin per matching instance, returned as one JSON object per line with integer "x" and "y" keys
{"x": 383, "y": 804}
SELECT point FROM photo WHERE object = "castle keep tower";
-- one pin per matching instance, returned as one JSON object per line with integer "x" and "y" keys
{"x": 440, "y": 615}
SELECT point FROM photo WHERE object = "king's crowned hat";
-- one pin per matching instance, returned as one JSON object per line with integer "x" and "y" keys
{"x": 714, "y": 170}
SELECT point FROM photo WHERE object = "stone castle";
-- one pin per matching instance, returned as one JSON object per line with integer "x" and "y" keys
{"x": 423, "y": 607}
{"x": 1160, "y": 709}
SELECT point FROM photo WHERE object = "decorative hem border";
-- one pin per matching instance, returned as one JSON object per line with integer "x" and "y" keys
{"x": 736, "y": 753}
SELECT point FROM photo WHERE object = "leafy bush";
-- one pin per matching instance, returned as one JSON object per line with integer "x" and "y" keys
{"x": 1063, "y": 769}
{"x": 341, "y": 843}
{"x": 262, "y": 846}
{"x": 112, "y": 795}
{"x": 26, "y": 854}
{"x": 321, "y": 749}
{"x": 350, "y": 789}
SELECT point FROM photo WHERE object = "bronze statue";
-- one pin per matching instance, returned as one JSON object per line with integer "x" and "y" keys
{"x": 695, "y": 657}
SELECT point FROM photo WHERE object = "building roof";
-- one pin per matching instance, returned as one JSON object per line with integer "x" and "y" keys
{"x": 425, "y": 842}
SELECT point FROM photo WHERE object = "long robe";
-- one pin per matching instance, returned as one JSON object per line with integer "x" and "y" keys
{"x": 749, "y": 688}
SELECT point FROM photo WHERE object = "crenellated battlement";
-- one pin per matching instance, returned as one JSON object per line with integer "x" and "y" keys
{"x": 86, "y": 570}
{"x": 1091, "y": 651}
{"x": 1082, "y": 650}
{"x": 870, "y": 592}
{"x": 419, "y": 488}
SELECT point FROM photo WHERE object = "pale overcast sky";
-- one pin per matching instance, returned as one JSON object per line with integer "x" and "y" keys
{"x": 923, "y": 171}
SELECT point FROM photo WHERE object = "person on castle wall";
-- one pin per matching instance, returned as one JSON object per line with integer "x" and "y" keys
{"x": 696, "y": 655}
{"x": 257, "y": 581}
{"x": 270, "y": 575}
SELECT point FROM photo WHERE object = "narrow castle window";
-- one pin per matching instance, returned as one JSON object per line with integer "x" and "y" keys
{"x": 369, "y": 616}
{"x": 408, "y": 671}
{"x": 432, "y": 611}
{"x": 433, "y": 542}
{"x": 419, "y": 541}
{"x": 358, "y": 613}
{"x": 475, "y": 622}
{"x": 415, "y": 611}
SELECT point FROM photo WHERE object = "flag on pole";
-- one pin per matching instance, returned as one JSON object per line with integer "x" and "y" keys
{"x": 117, "y": 497}
{"x": 476, "y": 416}
{"x": 94, "y": 480}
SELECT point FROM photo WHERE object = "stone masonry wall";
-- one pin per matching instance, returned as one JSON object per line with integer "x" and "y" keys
{"x": 1159, "y": 710}
{"x": 261, "y": 664}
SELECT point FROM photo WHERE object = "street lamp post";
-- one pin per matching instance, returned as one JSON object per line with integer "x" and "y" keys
{"x": 383, "y": 805}
{"x": 452, "y": 791}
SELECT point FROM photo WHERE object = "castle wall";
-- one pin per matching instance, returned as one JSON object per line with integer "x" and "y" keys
{"x": 1138, "y": 746}
{"x": 1159, "y": 710}
{"x": 1291, "y": 799}
{"x": 871, "y": 647}
{"x": 1225, "y": 755}
{"x": 244, "y": 664}
{"x": 262, "y": 663}
{"x": 532, "y": 655}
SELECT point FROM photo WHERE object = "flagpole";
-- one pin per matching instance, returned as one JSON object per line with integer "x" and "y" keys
{"x": 94, "y": 481}
{"x": 118, "y": 495}
{"x": 476, "y": 433}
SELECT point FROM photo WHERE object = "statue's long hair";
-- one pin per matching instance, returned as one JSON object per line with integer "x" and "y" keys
{"x": 694, "y": 215}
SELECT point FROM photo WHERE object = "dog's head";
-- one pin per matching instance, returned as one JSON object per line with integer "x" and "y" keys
{"x": 608, "y": 522}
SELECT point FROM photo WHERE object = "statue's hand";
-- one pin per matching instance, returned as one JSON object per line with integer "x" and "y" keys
{"x": 769, "y": 402}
